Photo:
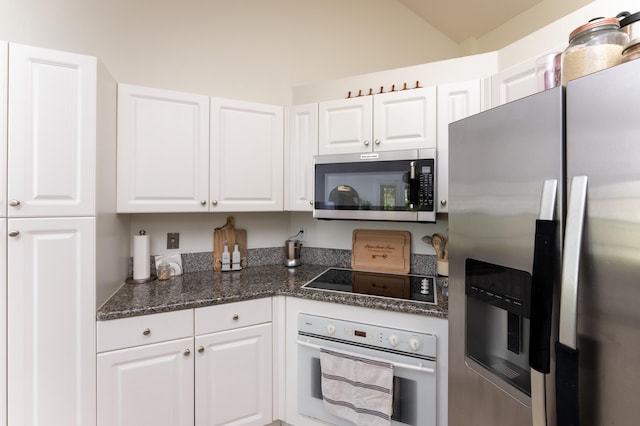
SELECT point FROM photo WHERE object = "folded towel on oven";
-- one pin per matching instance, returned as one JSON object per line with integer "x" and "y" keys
{"x": 356, "y": 388}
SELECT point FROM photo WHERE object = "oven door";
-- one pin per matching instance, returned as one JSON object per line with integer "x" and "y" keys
{"x": 414, "y": 386}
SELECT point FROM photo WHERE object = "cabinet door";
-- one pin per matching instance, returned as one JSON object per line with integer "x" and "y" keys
{"x": 345, "y": 125}
{"x": 513, "y": 83}
{"x": 455, "y": 101}
{"x": 4, "y": 52}
{"x": 147, "y": 385}
{"x": 52, "y": 133}
{"x": 51, "y": 321}
{"x": 404, "y": 120}
{"x": 302, "y": 145}
{"x": 3, "y": 321}
{"x": 247, "y": 164}
{"x": 163, "y": 150}
{"x": 234, "y": 377}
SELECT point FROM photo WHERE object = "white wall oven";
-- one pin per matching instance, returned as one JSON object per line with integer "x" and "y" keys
{"x": 412, "y": 354}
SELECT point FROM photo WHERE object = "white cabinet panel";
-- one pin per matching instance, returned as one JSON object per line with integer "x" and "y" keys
{"x": 234, "y": 377}
{"x": 246, "y": 157}
{"x": 4, "y": 58}
{"x": 3, "y": 321}
{"x": 163, "y": 150}
{"x": 52, "y": 133}
{"x": 455, "y": 101}
{"x": 147, "y": 385}
{"x": 513, "y": 83}
{"x": 404, "y": 119}
{"x": 302, "y": 145}
{"x": 345, "y": 125}
{"x": 51, "y": 328}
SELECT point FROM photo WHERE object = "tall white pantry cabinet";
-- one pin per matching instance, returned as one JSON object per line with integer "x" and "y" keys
{"x": 59, "y": 116}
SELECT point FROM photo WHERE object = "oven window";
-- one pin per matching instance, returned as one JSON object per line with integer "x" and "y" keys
{"x": 405, "y": 393}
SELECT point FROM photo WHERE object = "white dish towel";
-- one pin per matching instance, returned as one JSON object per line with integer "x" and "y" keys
{"x": 356, "y": 388}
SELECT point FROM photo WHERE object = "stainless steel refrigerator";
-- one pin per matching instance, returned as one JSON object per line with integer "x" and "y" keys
{"x": 544, "y": 257}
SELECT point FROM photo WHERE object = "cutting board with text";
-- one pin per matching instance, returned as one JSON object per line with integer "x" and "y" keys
{"x": 381, "y": 251}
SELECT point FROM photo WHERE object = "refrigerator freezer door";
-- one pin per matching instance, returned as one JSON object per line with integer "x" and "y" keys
{"x": 603, "y": 143}
{"x": 499, "y": 162}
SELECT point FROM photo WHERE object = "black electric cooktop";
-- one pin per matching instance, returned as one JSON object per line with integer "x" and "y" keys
{"x": 418, "y": 288}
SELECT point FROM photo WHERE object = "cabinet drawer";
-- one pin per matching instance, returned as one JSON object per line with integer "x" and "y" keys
{"x": 232, "y": 315}
{"x": 144, "y": 329}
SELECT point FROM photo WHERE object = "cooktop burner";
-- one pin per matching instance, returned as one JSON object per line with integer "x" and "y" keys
{"x": 419, "y": 288}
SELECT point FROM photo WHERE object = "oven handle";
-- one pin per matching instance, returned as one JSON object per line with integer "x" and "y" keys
{"x": 418, "y": 367}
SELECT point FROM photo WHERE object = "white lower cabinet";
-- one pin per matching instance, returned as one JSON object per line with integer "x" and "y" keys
{"x": 233, "y": 380}
{"x": 147, "y": 385}
{"x": 208, "y": 366}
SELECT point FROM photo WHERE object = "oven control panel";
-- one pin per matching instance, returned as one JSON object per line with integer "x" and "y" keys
{"x": 405, "y": 341}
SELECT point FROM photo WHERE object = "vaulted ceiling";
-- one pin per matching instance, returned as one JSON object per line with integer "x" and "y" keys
{"x": 462, "y": 19}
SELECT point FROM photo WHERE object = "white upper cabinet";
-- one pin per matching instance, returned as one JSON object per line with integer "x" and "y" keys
{"x": 51, "y": 133}
{"x": 514, "y": 83}
{"x": 455, "y": 101}
{"x": 247, "y": 156}
{"x": 4, "y": 58}
{"x": 404, "y": 119}
{"x": 163, "y": 150}
{"x": 301, "y": 146}
{"x": 345, "y": 125}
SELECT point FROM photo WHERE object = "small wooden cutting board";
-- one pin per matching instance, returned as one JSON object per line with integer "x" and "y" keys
{"x": 381, "y": 251}
{"x": 231, "y": 235}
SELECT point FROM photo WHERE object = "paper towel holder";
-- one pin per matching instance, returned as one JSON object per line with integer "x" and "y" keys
{"x": 151, "y": 277}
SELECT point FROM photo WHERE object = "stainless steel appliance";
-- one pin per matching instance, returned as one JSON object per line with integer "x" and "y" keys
{"x": 419, "y": 288}
{"x": 412, "y": 354}
{"x": 544, "y": 239}
{"x": 395, "y": 185}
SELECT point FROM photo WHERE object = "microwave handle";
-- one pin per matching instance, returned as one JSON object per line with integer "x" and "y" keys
{"x": 414, "y": 189}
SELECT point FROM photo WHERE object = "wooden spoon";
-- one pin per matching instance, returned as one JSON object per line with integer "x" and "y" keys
{"x": 436, "y": 241}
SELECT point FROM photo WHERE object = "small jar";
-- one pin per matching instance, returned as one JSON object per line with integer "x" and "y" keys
{"x": 164, "y": 271}
{"x": 631, "y": 51}
{"x": 594, "y": 46}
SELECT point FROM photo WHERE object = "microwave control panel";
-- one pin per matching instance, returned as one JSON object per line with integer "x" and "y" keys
{"x": 427, "y": 182}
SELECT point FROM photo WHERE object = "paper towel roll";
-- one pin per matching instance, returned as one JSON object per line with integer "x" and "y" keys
{"x": 141, "y": 257}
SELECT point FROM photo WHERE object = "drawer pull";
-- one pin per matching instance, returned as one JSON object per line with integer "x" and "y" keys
{"x": 146, "y": 332}
{"x": 187, "y": 352}
{"x": 201, "y": 349}
{"x": 236, "y": 317}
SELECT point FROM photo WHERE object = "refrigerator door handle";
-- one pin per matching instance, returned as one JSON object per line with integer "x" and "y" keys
{"x": 571, "y": 262}
{"x": 543, "y": 273}
{"x": 567, "y": 356}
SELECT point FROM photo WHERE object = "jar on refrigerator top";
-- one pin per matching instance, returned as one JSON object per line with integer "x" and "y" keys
{"x": 593, "y": 46}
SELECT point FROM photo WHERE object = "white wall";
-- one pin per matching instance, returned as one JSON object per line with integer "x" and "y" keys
{"x": 243, "y": 49}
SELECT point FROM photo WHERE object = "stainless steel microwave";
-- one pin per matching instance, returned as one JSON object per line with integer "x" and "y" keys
{"x": 394, "y": 185}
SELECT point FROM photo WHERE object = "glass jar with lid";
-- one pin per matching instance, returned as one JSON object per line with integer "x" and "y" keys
{"x": 593, "y": 46}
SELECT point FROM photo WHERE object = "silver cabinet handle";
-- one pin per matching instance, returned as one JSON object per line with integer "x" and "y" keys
{"x": 201, "y": 349}
{"x": 311, "y": 202}
{"x": 146, "y": 332}
{"x": 443, "y": 202}
{"x": 14, "y": 233}
{"x": 187, "y": 352}
{"x": 203, "y": 202}
{"x": 14, "y": 203}
{"x": 377, "y": 142}
{"x": 366, "y": 143}
{"x": 236, "y": 317}
{"x": 214, "y": 202}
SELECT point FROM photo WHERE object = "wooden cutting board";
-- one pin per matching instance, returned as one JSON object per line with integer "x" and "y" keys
{"x": 381, "y": 251}
{"x": 231, "y": 235}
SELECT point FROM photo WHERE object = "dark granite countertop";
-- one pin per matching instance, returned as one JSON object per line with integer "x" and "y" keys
{"x": 198, "y": 289}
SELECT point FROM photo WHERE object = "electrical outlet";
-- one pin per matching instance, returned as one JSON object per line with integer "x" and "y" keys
{"x": 173, "y": 240}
